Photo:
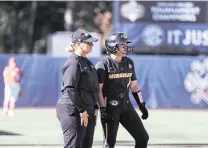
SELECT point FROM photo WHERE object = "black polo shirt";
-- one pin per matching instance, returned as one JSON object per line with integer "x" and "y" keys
{"x": 79, "y": 83}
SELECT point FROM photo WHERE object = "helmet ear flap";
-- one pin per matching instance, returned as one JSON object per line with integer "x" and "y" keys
{"x": 116, "y": 48}
{"x": 111, "y": 44}
{"x": 113, "y": 49}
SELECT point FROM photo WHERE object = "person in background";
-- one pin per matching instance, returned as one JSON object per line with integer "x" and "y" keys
{"x": 12, "y": 77}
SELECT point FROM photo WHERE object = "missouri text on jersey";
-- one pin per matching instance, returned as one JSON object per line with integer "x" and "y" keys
{"x": 120, "y": 75}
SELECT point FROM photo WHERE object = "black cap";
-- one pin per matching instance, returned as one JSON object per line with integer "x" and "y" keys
{"x": 83, "y": 36}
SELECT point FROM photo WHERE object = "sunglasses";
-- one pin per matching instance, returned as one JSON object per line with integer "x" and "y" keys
{"x": 88, "y": 43}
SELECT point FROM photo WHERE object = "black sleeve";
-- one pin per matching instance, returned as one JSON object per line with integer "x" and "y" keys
{"x": 133, "y": 77}
{"x": 101, "y": 71}
{"x": 71, "y": 77}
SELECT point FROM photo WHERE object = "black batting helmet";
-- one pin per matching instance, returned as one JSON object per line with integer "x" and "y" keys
{"x": 115, "y": 39}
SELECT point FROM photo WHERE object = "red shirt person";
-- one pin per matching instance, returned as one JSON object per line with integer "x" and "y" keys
{"x": 12, "y": 77}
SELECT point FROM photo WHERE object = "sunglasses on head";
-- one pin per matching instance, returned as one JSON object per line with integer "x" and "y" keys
{"x": 87, "y": 35}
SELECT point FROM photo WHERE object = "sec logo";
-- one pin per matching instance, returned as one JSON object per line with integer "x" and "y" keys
{"x": 153, "y": 35}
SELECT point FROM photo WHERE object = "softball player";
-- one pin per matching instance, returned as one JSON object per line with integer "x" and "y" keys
{"x": 117, "y": 76}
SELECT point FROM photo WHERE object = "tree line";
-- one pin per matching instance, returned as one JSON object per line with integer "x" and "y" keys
{"x": 24, "y": 25}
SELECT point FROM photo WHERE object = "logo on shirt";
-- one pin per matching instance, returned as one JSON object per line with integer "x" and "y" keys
{"x": 130, "y": 66}
{"x": 120, "y": 75}
{"x": 92, "y": 66}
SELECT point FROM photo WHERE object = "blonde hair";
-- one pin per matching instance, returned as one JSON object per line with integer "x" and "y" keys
{"x": 70, "y": 48}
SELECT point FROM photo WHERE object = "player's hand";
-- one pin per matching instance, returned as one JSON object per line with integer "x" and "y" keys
{"x": 84, "y": 118}
{"x": 103, "y": 114}
{"x": 144, "y": 111}
{"x": 20, "y": 93}
{"x": 96, "y": 113}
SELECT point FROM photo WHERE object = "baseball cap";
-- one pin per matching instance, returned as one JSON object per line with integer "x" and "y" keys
{"x": 83, "y": 36}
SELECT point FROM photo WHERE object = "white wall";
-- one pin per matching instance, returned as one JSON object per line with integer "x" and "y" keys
{"x": 57, "y": 42}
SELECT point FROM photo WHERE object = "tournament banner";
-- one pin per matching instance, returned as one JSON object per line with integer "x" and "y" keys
{"x": 167, "y": 38}
{"x": 164, "y": 27}
{"x": 162, "y": 11}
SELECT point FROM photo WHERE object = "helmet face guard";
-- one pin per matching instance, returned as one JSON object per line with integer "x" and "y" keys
{"x": 116, "y": 39}
{"x": 129, "y": 49}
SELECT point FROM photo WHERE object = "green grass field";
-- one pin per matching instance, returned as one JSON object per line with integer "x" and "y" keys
{"x": 37, "y": 128}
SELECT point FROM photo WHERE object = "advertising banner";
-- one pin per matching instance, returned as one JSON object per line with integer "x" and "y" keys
{"x": 161, "y": 27}
{"x": 163, "y": 11}
{"x": 167, "y": 38}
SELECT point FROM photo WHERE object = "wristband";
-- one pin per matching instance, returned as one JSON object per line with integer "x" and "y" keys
{"x": 140, "y": 95}
{"x": 81, "y": 110}
{"x": 102, "y": 108}
{"x": 96, "y": 106}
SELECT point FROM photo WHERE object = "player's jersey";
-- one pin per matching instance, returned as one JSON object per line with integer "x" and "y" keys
{"x": 12, "y": 74}
{"x": 115, "y": 76}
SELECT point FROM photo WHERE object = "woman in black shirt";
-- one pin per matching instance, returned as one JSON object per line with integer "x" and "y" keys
{"x": 78, "y": 103}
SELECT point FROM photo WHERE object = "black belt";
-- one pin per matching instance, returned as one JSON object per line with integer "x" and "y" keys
{"x": 121, "y": 95}
{"x": 118, "y": 95}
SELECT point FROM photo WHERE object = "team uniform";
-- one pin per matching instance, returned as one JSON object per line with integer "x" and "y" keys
{"x": 116, "y": 78}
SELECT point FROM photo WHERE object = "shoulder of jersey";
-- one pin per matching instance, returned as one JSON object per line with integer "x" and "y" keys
{"x": 128, "y": 59}
{"x": 71, "y": 59}
{"x": 18, "y": 69}
{"x": 6, "y": 68}
{"x": 71, "y": 56}
{"x": 105, "y": 59}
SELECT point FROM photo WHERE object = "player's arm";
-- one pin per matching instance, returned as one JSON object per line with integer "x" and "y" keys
{"x": 101, "y": 73}
{"x": 135, "y": 88}
{"x": 101, "y": 99}
{"x": 136, "y": 92}
{"x": 20, "y": 72}
{"x": 71, "y": 77}
{"x": 5, "y": 72}
{"x": 19, "y": 76}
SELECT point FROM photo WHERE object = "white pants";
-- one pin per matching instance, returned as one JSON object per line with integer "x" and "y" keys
{"x": 11, "y": 92}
